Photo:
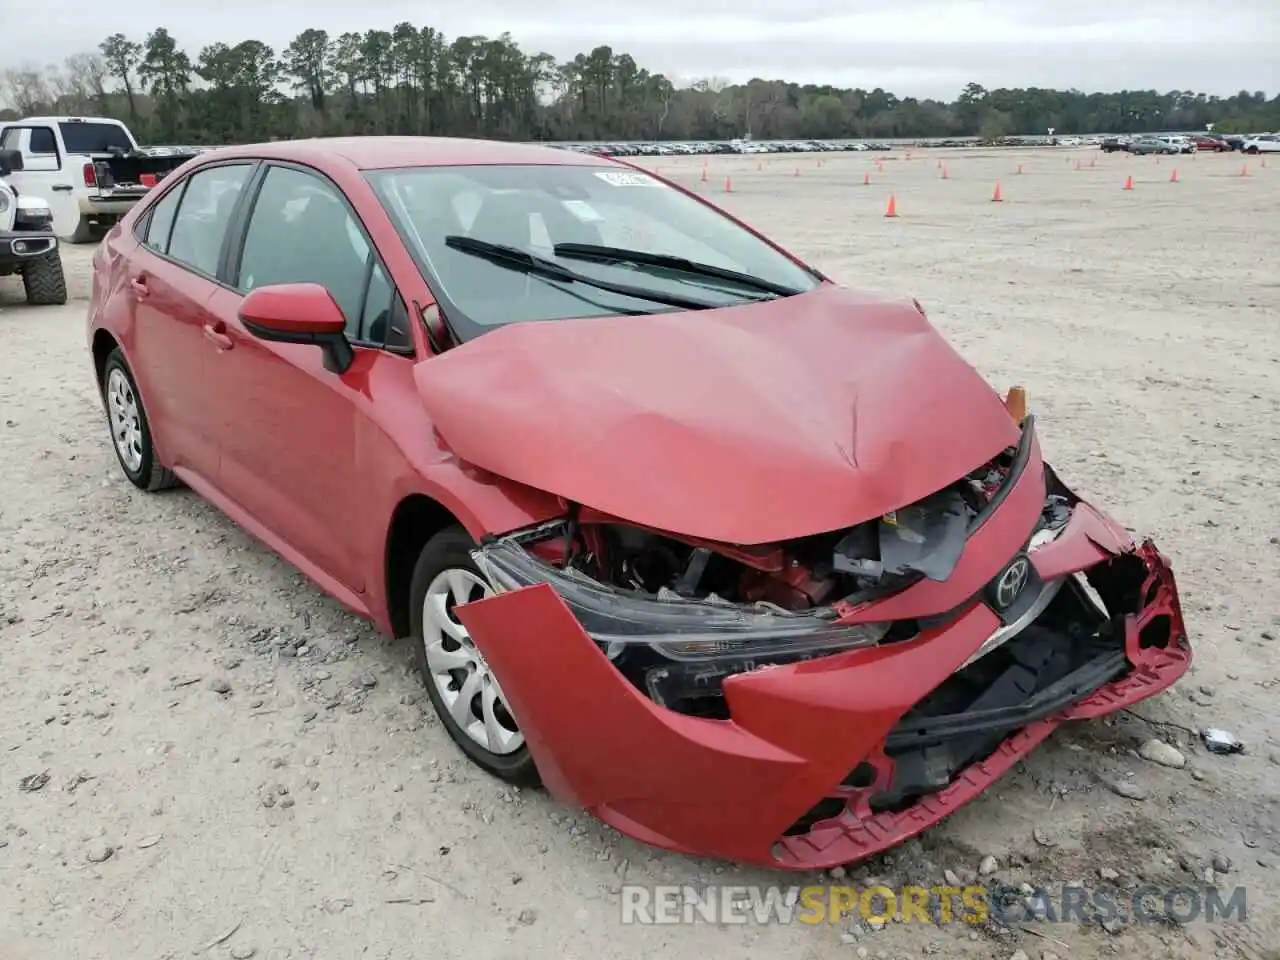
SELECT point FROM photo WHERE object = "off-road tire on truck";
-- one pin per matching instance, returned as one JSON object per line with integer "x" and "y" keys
{"x": 43, "y": 280}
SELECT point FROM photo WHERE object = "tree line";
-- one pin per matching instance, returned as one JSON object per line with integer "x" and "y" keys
{"x": 415, "y": 80}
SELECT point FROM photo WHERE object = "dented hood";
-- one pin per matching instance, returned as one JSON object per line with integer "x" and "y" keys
{"x": 745, "y": 425}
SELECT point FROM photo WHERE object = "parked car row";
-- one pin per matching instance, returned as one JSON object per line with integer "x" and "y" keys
{"x": 1193, "y": 143}
{"x": 702, "y": 147}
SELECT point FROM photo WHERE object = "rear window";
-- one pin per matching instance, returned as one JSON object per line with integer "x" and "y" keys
{"x": 94, "y": 137}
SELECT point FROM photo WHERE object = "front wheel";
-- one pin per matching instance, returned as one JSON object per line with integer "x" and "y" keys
{"x": 43, "y": 280}
{"x": 463, "y": 688}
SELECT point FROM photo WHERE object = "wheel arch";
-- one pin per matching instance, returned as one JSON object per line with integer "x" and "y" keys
{"x": 103, "y": 344}
{"x": 416, "y": 519}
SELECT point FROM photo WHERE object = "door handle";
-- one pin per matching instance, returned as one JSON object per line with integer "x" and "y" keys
{"x": 139, "y": 285}
{"x": 62, "y": 187}
{"x": 217, "y": 337}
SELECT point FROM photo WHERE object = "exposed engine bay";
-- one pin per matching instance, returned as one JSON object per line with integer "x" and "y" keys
{"x": 677, "y": 615}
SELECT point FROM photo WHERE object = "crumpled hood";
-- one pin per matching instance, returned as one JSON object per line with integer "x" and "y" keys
{"x": 744, "y": 425}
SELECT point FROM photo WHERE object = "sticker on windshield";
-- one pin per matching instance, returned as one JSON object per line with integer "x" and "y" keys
{"x": 583, "y": 211}
{"x": 619, "y": 179}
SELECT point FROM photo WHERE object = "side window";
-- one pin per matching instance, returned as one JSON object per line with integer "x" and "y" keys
{"x": 301, "y": 231}
{"x": 43, "y": 141}
{"x": 12, "y": 139}
{"x": 160, "y": 222}
{"x": 203, "y": 215}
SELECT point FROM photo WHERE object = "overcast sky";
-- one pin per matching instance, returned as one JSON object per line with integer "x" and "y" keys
{"x": 911, "y": 47}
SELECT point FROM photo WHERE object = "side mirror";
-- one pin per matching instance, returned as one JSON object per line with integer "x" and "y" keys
{"x": 299, "y": 313}
{"x": 10, "y": 160}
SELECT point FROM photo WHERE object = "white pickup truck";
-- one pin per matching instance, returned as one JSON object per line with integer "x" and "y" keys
{"x": 90, "y": 170}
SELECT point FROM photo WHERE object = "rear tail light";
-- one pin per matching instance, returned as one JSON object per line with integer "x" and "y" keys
{"x": 147, "y": 179}
{"x": 90, "y": 175}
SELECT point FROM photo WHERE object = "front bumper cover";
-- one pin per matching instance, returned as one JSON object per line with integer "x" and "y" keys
{"x": 18, "y": 246}
{"x": 737, "y": 788}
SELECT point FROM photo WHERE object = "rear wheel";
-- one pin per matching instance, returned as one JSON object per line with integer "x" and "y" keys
{"x": 462, "y": 687}
{"x": 43, "y": 279}
{"x": 130, "y": 431}
{"x": 83, "y": 233}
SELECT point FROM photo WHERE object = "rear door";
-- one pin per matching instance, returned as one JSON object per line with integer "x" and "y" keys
{"x": 172, "y": 277}
{"x": 47, "y": 172}
{"x": 290, "y": 431}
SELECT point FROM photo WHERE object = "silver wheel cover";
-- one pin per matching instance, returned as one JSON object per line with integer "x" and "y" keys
{"x": 126, "y": 424}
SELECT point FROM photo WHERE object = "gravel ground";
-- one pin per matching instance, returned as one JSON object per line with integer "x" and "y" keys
{"x": 216, "y": 752}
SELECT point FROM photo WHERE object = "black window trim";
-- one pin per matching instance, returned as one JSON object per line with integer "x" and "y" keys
{"x": 238, "y": 231}
{"x": 57, "y": 151}
{"x": 143, "y": 226}
{"x": 140, "y": 230}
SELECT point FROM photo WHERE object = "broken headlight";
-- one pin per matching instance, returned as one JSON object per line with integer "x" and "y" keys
{"x": 679, "y": 628}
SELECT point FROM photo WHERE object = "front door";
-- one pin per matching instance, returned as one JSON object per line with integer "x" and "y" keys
{"x": 290, "y": 431}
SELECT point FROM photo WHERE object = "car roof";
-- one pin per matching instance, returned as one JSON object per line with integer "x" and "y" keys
{"x": 383, "y": 153}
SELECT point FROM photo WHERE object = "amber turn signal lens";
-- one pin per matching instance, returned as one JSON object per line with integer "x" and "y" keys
{"x": 1016, "y": 403}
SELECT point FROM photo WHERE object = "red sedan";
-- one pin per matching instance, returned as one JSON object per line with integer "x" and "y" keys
{"x": 745, "y": 563}
{"x": 1210, "y": 144}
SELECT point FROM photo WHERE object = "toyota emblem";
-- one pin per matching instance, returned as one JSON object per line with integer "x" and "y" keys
{"x": 1009, "y": 586}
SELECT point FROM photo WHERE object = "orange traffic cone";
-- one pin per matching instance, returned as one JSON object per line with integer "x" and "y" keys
{"x": 728, "y": 185}
{"x": 996, "y": 195}
{"x": 1019, "y": 169}
{"x": 704, "y": 173}
{"x": 866, "y": 179}
{"x": 1077, "y": 164}
{"x": 1173, "y": 177}
{"x": 797, "y": 173}
{"x": 892, "y": 209}
{"x": 1244, "y": 170}
{"x": 944, "y": 174}
{"x": 1093, "y": 162}
{"x": 1128, "y": 183}
{"x": 759, "y": 164}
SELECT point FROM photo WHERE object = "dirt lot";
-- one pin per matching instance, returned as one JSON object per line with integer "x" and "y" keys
{"x": 316, "y": 810}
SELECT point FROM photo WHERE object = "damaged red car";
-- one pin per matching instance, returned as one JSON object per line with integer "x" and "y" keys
{"x": 745, "y": 563}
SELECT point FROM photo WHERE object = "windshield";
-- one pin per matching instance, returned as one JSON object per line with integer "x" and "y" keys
{"x": 683, "y": 250}
{"x": 94, "y": 137}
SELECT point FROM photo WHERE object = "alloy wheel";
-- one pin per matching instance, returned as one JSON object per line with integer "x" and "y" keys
{"x": 461, "y": 675}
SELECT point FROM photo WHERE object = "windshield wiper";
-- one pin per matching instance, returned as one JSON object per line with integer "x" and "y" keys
{"x": 603, "y": 254}
{"x": 514, "y": 258}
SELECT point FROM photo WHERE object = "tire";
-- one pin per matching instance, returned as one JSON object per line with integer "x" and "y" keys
{"x": 83, "y": 232}
{"x": 43, "y": 279}
{"x": 450, "y": 550}
{"x": 146, "y": 472}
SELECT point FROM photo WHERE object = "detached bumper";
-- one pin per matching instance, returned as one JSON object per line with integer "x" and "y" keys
{"x": 797, "y": 777}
